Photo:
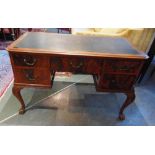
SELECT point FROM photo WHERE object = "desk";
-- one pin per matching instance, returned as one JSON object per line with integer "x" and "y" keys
{"x": 113, "y": 62}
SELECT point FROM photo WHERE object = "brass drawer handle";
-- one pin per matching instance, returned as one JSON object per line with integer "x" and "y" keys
{"x": 113, "y": 81}
{"x": 30, "y": 78}
{"x": 30, "y": 62}
{"x": 29, "y": 75}
{"x": 76, "y": 66}
{"x": 124, "y": 68}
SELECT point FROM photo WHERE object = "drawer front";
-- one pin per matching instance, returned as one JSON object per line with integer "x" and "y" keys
{"x": 30, "y": 60}
{"x": 76, "y": 64}
{"x": 69, "y": 64}
{"x": 93, "y": 66}
{"x": 56, "y": 64}
{"x": 32, "y": 76}
{"x": 116, "y": 82}
{"x": 122, "y": 66}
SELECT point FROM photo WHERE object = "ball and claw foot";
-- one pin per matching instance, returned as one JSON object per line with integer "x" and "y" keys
{"x": 121, "y": 117}
{"x": 21, "y": 110}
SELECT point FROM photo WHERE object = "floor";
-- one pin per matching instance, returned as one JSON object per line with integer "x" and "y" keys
{"x": 75, "y": 102}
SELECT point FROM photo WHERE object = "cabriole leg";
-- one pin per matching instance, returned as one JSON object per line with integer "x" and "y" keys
{"x": 130, "y": 98}
{"x": 16, "y": 92}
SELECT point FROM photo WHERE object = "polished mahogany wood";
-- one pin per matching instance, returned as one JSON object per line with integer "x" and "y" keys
{"x": 130, "y": 98}
{"x": 113, "y": 62}
{"x": 16, "y": 91}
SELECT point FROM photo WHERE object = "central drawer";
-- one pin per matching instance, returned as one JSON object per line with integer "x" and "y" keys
{"x": 68, "y": 64}
{"x": 76, "y": 64}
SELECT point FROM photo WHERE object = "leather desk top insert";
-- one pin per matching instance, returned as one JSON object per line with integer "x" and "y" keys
{"x": 113, "y": 62}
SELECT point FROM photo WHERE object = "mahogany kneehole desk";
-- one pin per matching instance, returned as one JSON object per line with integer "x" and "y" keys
{"x": 113, "y": 62}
